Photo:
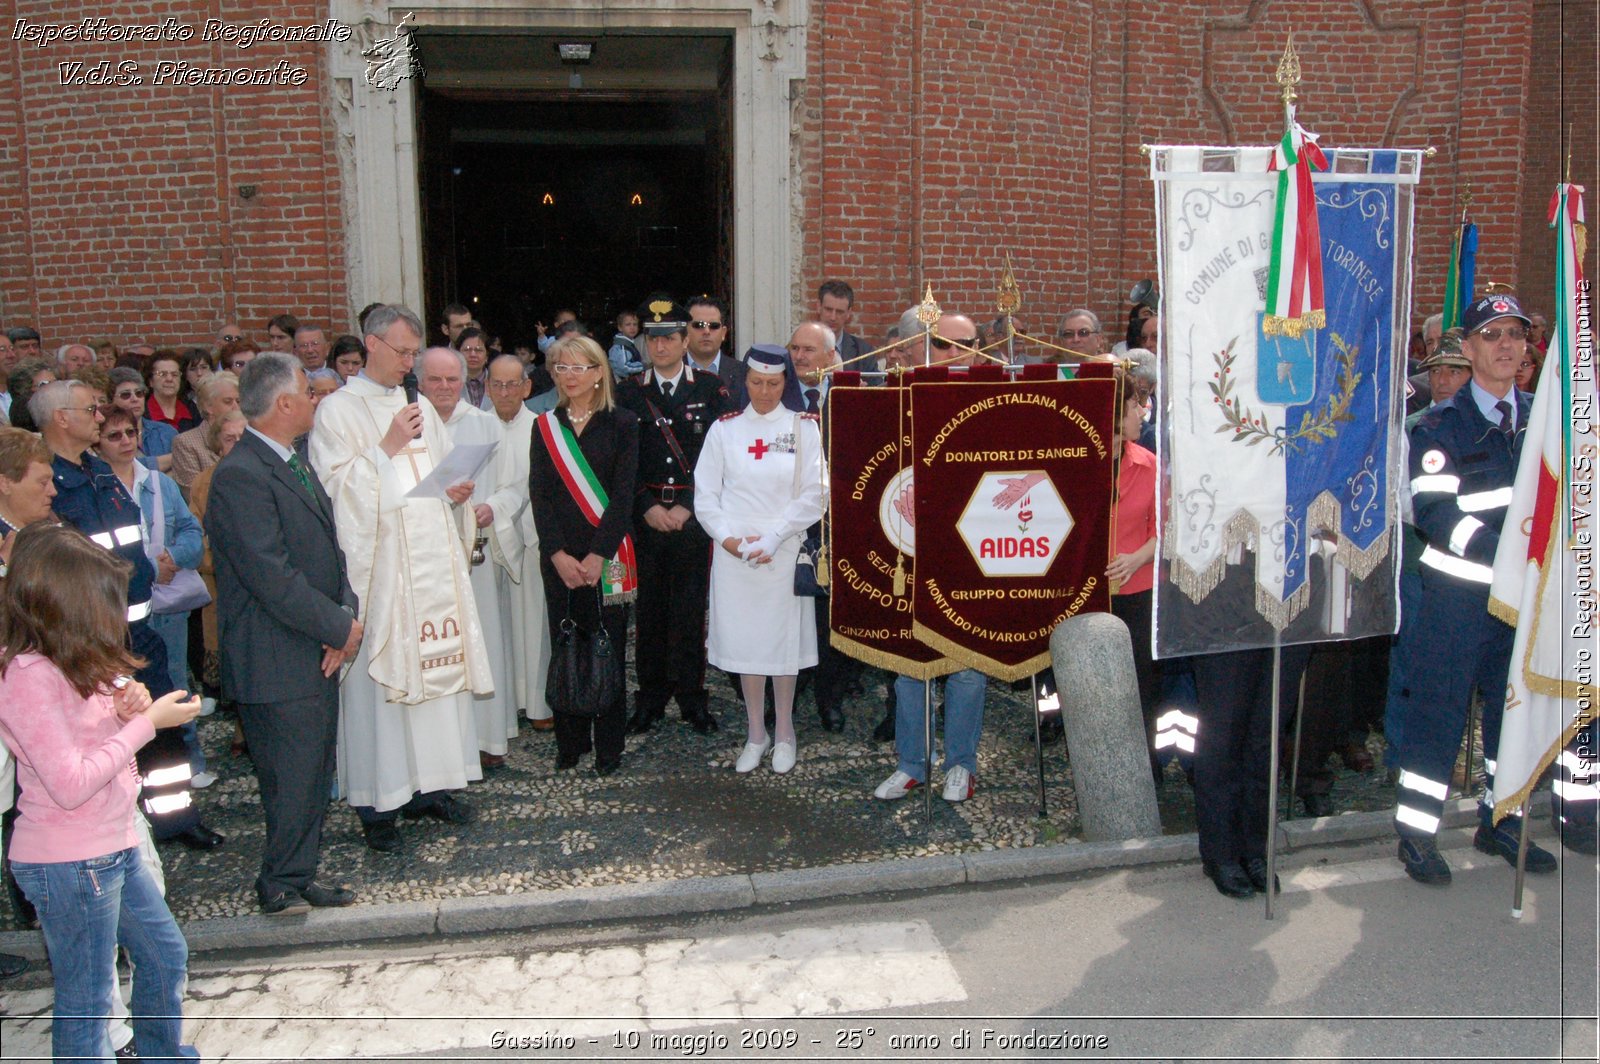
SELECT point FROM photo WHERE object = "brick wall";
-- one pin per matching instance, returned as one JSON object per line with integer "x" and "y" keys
{"x": 1032, "y": 116}
{"x": 121, "y": 204}
{"x": 1561, "y": 102}
{"x": 937, "y": 135}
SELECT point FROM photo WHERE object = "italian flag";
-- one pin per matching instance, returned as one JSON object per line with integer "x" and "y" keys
{"x": 1294, "y": 280}
{"x": 1549, "y": 530}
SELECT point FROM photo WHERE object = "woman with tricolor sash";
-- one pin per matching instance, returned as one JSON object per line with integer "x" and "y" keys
{"x": 581, "y": 473}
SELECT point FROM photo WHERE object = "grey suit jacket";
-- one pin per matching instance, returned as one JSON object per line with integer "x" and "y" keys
{"x": 281, "y": 583}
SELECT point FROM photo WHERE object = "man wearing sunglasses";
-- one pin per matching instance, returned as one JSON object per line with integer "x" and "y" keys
{"x": 1081, "y": 332}
{"x": 708, "y": 330}
{"x": 1463, "y": 462}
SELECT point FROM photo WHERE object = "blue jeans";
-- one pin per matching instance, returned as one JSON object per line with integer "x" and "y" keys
{"x": 963, "y": 722}
{"x": 173, "y": 628}
{"x": 86, "y": 909}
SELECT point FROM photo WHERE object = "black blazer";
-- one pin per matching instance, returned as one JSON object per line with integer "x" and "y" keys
{"x": 281, "y": 583}
{"x": 611, "y": 447}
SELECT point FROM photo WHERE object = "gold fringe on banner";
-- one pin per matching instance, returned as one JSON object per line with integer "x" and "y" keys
{"x": 1507, "y": 806}
{"x": 967, "y": 659}
{"x": 1274, "y": 325}
{"x": 917, "y": 670}
{"x": 1243, "y": 530}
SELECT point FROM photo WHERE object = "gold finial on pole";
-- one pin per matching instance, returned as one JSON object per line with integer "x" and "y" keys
{"x": 1289, "y": 72}
{"x": 928, "y": 311}
{"x": 1008, "y": 300}
{"x": 1496, "y": 287}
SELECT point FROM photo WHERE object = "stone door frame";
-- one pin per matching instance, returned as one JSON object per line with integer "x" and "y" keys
{"x": 376, "y": 141}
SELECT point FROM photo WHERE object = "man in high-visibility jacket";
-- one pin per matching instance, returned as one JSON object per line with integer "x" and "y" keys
{"x": 1463, "y": 464}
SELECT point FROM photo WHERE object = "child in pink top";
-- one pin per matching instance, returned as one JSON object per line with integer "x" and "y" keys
{"x": 73, "y": 722}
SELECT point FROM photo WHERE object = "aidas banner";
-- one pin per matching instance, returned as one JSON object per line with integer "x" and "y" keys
{"x": 872, "y": 535}
{"x": 1012, "y": 484}
{"x": 1280, "y": 431}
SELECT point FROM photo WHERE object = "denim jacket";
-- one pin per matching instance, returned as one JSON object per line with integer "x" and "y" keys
{"x": 184, "y": 538}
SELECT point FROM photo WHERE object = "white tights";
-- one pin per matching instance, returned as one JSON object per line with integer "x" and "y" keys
{"x": 755, "y": 706}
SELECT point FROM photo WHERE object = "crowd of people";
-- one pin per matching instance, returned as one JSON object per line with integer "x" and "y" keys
{"x": 291, "y": 533}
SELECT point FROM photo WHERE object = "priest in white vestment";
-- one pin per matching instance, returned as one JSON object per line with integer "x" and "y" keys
{"x": 442, "y": 380}
{"x": 406, "y": 729}
{"x": 514, "y": 542}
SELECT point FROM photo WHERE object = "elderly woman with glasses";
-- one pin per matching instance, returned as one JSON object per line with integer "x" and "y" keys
{"x": 164, "y": 377}
{"x": 128, "y": 392}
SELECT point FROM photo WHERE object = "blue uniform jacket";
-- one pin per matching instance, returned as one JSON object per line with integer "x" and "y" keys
{"x": 1462, "y": 471}
{"x": 90, "y": 498}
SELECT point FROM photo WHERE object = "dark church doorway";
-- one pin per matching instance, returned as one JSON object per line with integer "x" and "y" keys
{"x": 549, "y": 184}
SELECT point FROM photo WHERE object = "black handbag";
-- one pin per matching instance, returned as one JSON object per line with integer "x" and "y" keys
{"x": 805, "y": 568}
{"x": 585, "y": 673}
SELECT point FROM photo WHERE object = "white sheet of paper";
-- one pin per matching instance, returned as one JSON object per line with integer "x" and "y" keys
{"x": 464, "y": 462}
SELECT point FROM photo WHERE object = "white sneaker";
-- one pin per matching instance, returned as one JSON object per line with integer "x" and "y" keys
{"x": 783, "y": 757}
{"x": 958, "y": 785}
{"x": 208, "y": 706}
{"x": 896, "y": 786}
{"x": 751, "y": 755}
{"x": 201, "y": 780}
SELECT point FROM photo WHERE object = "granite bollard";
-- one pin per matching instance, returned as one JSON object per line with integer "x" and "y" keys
{"x": 1092, "y": 654}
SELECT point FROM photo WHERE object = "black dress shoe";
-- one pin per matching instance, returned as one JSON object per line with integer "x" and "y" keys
{"x": 1232, "y": 880}
{"x": 285, "y": 903}
{"x": 444, "y": 807}
{"x": 566, "y": 761}
{"x": 200, "y": 837}
{"x": 607, "y": 768}
{"x": 328, "y": 897}
{"x": 1051, "y": 730}
{"x": 832, "y": 719}
{"x": 1576, "y": 836}
{"x": 642, "y": 721}
{"x": 702, "y": 721}
{"x": 884, "y": 732}
{"x": 12, "y": 965}
{"x": 382, "y": 836}
{"x": 1256, "y": 869}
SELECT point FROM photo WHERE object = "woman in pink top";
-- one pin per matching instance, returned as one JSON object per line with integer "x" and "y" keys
{"x": 1132, "y": 568}
{"x": 73, "y": 722}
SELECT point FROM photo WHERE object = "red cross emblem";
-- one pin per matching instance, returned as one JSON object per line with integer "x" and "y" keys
{"x": 759, "y": 449}
{"x": 1501, "y": 305}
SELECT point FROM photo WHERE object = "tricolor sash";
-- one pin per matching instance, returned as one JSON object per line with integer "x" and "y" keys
{"x": 619, "y": 578}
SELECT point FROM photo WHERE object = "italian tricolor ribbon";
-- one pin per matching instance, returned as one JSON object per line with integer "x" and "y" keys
{"x": 1294, "y": 281}
{"x": 619, "y": 577}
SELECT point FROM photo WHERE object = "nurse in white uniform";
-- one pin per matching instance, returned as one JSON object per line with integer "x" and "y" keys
{"x": 757, "y": 487}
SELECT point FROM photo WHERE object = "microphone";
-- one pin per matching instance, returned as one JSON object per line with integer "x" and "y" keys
{"x": 409, "y": 383}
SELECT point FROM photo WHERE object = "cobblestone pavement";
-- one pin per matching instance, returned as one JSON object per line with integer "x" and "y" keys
{"x": 676, "y": 809}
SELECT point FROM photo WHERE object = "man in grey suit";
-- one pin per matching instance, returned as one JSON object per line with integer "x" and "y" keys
{"x": 288, "y": 622}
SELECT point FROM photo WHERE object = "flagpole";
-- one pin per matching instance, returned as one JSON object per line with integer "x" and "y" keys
{"x": 1272, "y": 776}
{"x": 927, "y": 756}
{"x": 1288, "y": 76}
{"x": 1522, "y": 861}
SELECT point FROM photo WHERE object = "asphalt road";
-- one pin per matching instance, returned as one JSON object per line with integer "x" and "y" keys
{"x": 1147, "y": 963}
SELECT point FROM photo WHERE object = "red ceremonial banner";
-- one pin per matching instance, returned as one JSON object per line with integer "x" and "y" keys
{"x": 1013, "y": 516}
{"x": 870, "y": 536}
